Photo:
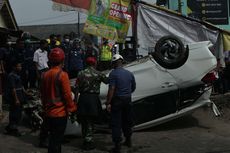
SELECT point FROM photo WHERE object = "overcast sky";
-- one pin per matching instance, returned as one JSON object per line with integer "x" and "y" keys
{"x": 39, "y": 12}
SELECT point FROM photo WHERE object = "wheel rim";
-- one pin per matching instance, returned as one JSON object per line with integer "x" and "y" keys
{"x": 170, "y": 50}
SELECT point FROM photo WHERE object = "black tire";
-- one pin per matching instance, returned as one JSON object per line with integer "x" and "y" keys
{"x": 170, "y": 52}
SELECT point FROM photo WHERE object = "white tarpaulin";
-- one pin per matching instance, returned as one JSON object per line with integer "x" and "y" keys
{"x": 153, "y": 23}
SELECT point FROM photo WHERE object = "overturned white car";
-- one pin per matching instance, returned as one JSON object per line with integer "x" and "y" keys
{"x": 171, "y": 82}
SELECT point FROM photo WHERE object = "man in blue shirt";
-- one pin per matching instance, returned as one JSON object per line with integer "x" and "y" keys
{"x": 121, "y": 85}
{"x": 76, "y": 59}
{"x": 29, "y": 76}
{"x": 15, "y": 97}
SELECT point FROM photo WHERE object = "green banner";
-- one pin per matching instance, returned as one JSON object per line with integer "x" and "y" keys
{"x": 109, "y": 19}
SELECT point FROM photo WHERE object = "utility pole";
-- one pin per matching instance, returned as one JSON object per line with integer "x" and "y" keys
{"x": 179, "y": 6}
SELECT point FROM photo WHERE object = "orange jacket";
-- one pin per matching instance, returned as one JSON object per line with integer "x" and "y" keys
{"x": 56, "y": 93}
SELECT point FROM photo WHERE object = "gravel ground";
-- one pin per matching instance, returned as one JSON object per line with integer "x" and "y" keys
{"x": 200, "y": 132}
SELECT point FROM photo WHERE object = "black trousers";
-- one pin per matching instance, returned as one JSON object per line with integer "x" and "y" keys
{"x": 29, "y": 78}
{"x": 44, "y": 131}
{"x": 121, "y": 118}
{"x": 57, "y": 128}
{"x": 40, "y": 75}
{"x": 15, "y": 115}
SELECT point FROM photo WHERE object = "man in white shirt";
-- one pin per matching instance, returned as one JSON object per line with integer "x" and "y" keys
{"x": 41, "y": 61}
{"x": 41, "y": 58}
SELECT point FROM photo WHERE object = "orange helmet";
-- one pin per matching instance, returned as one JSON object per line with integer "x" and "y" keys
{"x": 91, "y": 61}
{"x": 57, "y": 55}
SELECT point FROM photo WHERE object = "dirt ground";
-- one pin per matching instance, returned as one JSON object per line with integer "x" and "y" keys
{"x": 200, "y": 132}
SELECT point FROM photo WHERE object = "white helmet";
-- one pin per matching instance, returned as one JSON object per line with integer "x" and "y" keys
{"x": 117, "y": 57}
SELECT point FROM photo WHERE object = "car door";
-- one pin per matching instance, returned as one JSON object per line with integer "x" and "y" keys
{"x": 156, "y": 92}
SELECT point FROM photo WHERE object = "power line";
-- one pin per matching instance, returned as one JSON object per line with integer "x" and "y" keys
{"x": 67, "y": 22}
{"x": 44, "y": 19}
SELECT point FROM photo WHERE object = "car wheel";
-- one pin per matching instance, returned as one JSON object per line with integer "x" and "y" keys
{"x": 170, "y": 52}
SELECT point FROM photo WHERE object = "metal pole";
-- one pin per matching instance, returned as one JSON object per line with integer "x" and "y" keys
{"x": 78, "y": 24}
{"x": 179, "y": 6}
{"x": 134, "y": 26}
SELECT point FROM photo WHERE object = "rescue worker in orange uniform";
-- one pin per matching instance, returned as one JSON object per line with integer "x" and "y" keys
{"x": 56, "y": 99}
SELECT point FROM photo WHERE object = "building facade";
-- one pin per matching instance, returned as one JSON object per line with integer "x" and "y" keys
{"x": 61, "y": 29}
{"x": 216, "y": 11}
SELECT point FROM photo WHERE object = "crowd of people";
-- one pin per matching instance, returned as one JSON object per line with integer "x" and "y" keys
{"x": 34, "y": 57}
{"x": 48, "y": 68}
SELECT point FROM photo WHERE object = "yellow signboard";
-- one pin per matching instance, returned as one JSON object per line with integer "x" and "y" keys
{"x": 109, "y": 19}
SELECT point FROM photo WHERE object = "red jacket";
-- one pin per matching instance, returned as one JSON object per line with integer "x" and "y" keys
{"x": 56, "y": 93}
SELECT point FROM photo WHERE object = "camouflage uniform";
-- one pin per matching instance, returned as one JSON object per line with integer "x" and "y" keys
{"x": 89, "y": 106}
